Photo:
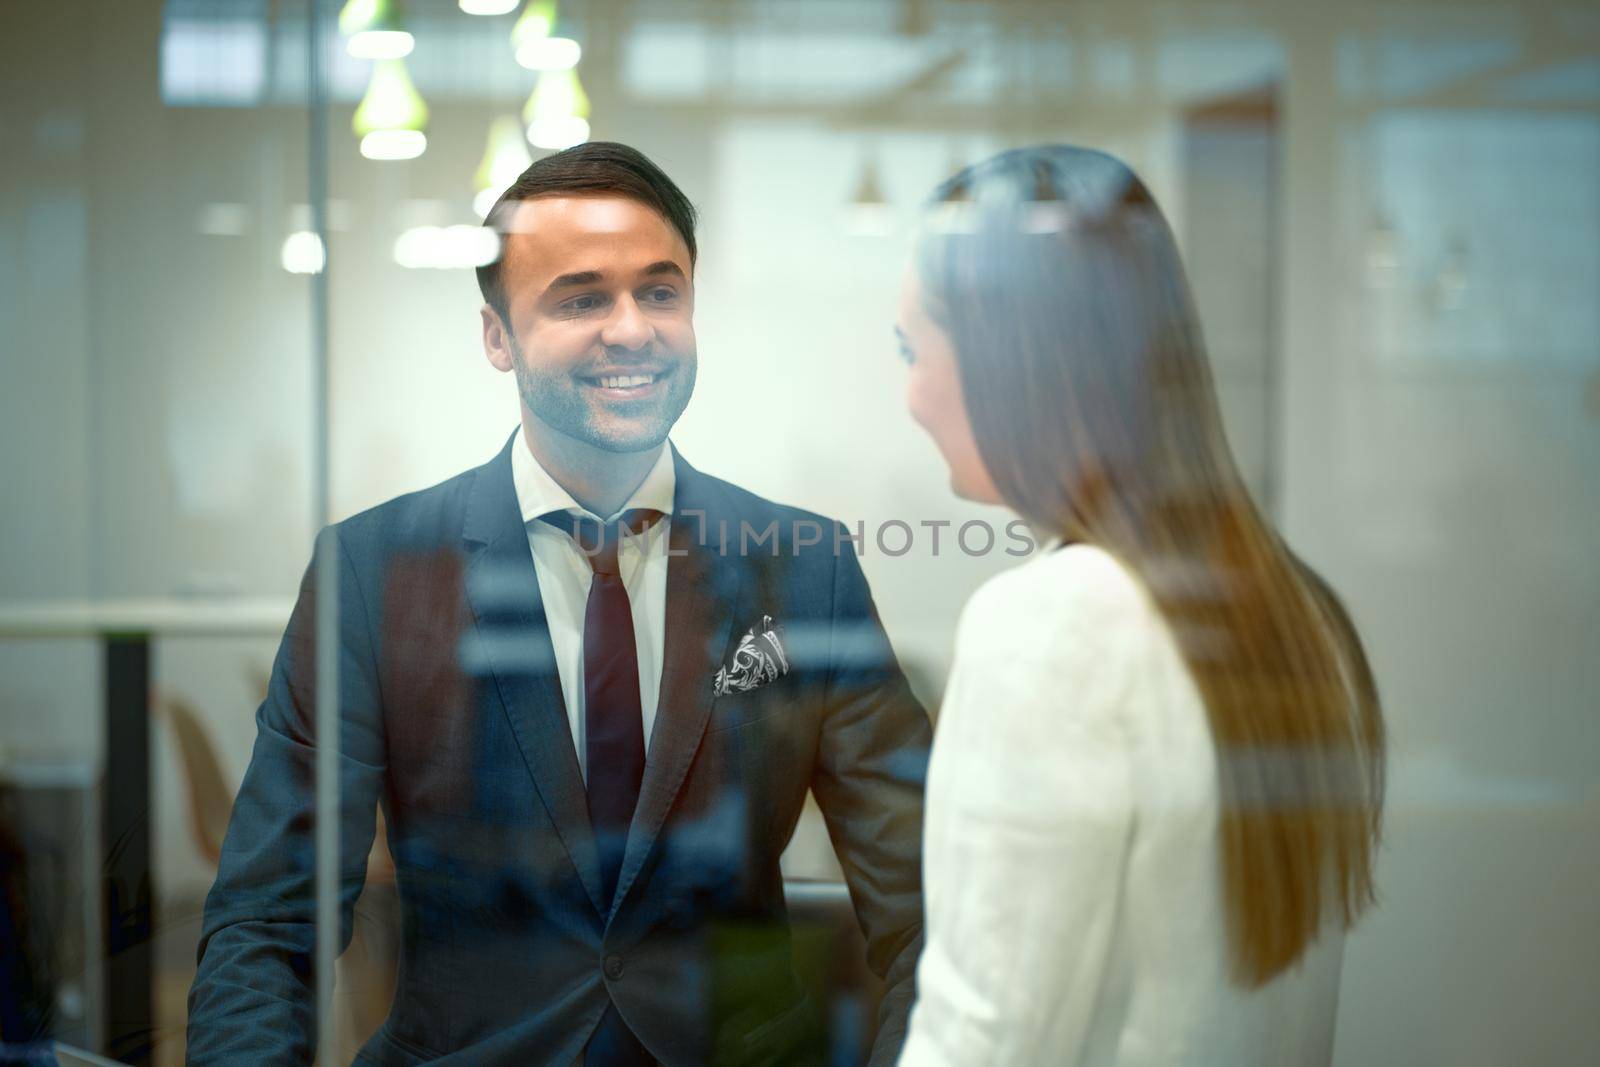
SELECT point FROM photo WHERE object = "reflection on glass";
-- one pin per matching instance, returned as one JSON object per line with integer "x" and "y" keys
{"x": 557, "y": 112}
{"x": 1389, "y": 219}
{"x": 373, "y": 29}
{"x": 392, "y": 115}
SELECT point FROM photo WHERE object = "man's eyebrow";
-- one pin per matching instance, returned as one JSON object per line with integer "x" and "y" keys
{"x": 582, "y": 277}
{"x": 663, "y": 266}
{"x": 657, "y": 269}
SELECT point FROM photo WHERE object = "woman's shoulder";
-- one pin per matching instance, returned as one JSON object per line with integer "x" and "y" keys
{"x": 1074, "y": 587}
{"x": 1074, "y": 620}
{"x": 1048, "y": 651}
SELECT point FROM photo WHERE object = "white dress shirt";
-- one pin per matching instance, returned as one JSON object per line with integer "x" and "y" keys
{"x": 1072, "y": 877}
{"x": 565, "y": 573}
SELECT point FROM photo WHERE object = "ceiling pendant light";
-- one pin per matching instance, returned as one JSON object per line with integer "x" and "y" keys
{"x": 557, "y": 113}
{"x": 488, "y": 7}
{"x": 392, "y": 116}
{"x": 870, "y": 215}
{"x": 505, "y": 157}
{"x": 535, "y": 42}
{"x": 374, "y": 29}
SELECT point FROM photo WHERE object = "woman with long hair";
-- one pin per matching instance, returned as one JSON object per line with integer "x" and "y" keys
{"x": 1154, "y": 797}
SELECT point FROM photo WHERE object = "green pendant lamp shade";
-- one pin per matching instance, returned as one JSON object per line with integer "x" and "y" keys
{"x": 392, "y": 116}
{"x": 505, "y": 157}
{"x": 535, "y": 42}
{"x": 375, "y": 29}
{"x": 557, "y": 113}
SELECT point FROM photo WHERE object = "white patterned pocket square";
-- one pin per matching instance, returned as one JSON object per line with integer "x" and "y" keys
{"x": 759, "y": 659}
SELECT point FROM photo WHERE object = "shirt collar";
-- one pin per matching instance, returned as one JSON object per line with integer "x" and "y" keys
{"x": 539, "y": 494}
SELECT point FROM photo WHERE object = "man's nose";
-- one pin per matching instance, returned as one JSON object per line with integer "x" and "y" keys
{"x": 627, "y": 328}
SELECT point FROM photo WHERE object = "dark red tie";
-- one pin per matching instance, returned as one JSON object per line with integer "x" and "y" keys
{"x": 613, "y": 719}
{"x": 613, "y": 731}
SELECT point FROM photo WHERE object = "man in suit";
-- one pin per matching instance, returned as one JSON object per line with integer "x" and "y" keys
{"x": 590, "y": 687}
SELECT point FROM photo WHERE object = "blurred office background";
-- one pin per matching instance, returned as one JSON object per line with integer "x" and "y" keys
{"x": 1391, "y": 215}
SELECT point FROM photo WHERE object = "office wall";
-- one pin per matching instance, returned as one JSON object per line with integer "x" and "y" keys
{"x": 1441, "y": 465}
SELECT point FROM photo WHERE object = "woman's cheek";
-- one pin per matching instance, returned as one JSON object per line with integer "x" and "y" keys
{"x": 928, "y": 402}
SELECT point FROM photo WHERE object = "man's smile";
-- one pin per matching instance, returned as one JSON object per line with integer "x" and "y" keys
{"x": 631, "y": 384}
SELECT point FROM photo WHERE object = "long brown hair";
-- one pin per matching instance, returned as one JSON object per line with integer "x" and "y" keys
{"x": 1091, "y": 400}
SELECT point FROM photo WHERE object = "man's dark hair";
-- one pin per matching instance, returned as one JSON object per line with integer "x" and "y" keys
{"x": 593, "y": 168}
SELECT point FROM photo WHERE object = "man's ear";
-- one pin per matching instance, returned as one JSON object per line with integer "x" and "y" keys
{"x": 496, "y": 339}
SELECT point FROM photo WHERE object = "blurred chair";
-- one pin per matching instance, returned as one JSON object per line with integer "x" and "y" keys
{"x": 367, "y": 969}
{"x": 210, "y": 799}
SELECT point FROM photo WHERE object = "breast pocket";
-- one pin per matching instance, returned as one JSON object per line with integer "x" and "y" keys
{"x": 735, "y": 710}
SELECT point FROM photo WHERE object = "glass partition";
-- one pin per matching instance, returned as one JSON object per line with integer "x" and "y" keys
{"x": 238, "y": 252}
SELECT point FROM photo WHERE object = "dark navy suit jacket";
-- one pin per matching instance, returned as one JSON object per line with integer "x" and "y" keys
{"x": 452, "y": 719}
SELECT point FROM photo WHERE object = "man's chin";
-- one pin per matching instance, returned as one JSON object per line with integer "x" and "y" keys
{"x": 601, "y": 429}
{"x": 628, "y": 445}
{"x": 625, "y": 438}
{"x": 617, "y": 430}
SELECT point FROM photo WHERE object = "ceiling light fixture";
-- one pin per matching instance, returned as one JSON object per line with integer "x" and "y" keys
{"x": 870, "y": 215}
{"x": 488, "y": 7}
{"x": 392, "y": 115}
{"x": 535, "y": 42}
{"x": 557, "y": 113}
{"x": 505, "y": 157}
{"x": 374, "y": 29}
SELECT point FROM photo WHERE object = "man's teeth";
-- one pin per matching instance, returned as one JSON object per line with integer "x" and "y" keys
{"x": 627, "y": 381}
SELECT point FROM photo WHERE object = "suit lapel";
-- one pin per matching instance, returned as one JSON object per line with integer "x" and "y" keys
{"x": 513, "y": 640}
{"x": 703, "y": 587}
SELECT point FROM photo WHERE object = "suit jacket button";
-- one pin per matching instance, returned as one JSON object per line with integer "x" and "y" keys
{"x": 613, "y": 967}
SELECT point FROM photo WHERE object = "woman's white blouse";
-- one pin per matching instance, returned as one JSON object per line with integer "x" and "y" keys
{"x": 1072, "y": 874}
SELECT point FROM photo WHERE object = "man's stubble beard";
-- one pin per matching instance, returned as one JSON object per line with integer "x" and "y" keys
{"x": 556, "y": 399}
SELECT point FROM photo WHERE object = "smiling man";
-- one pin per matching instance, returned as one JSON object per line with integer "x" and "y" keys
{"x": 591, "y": 717}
